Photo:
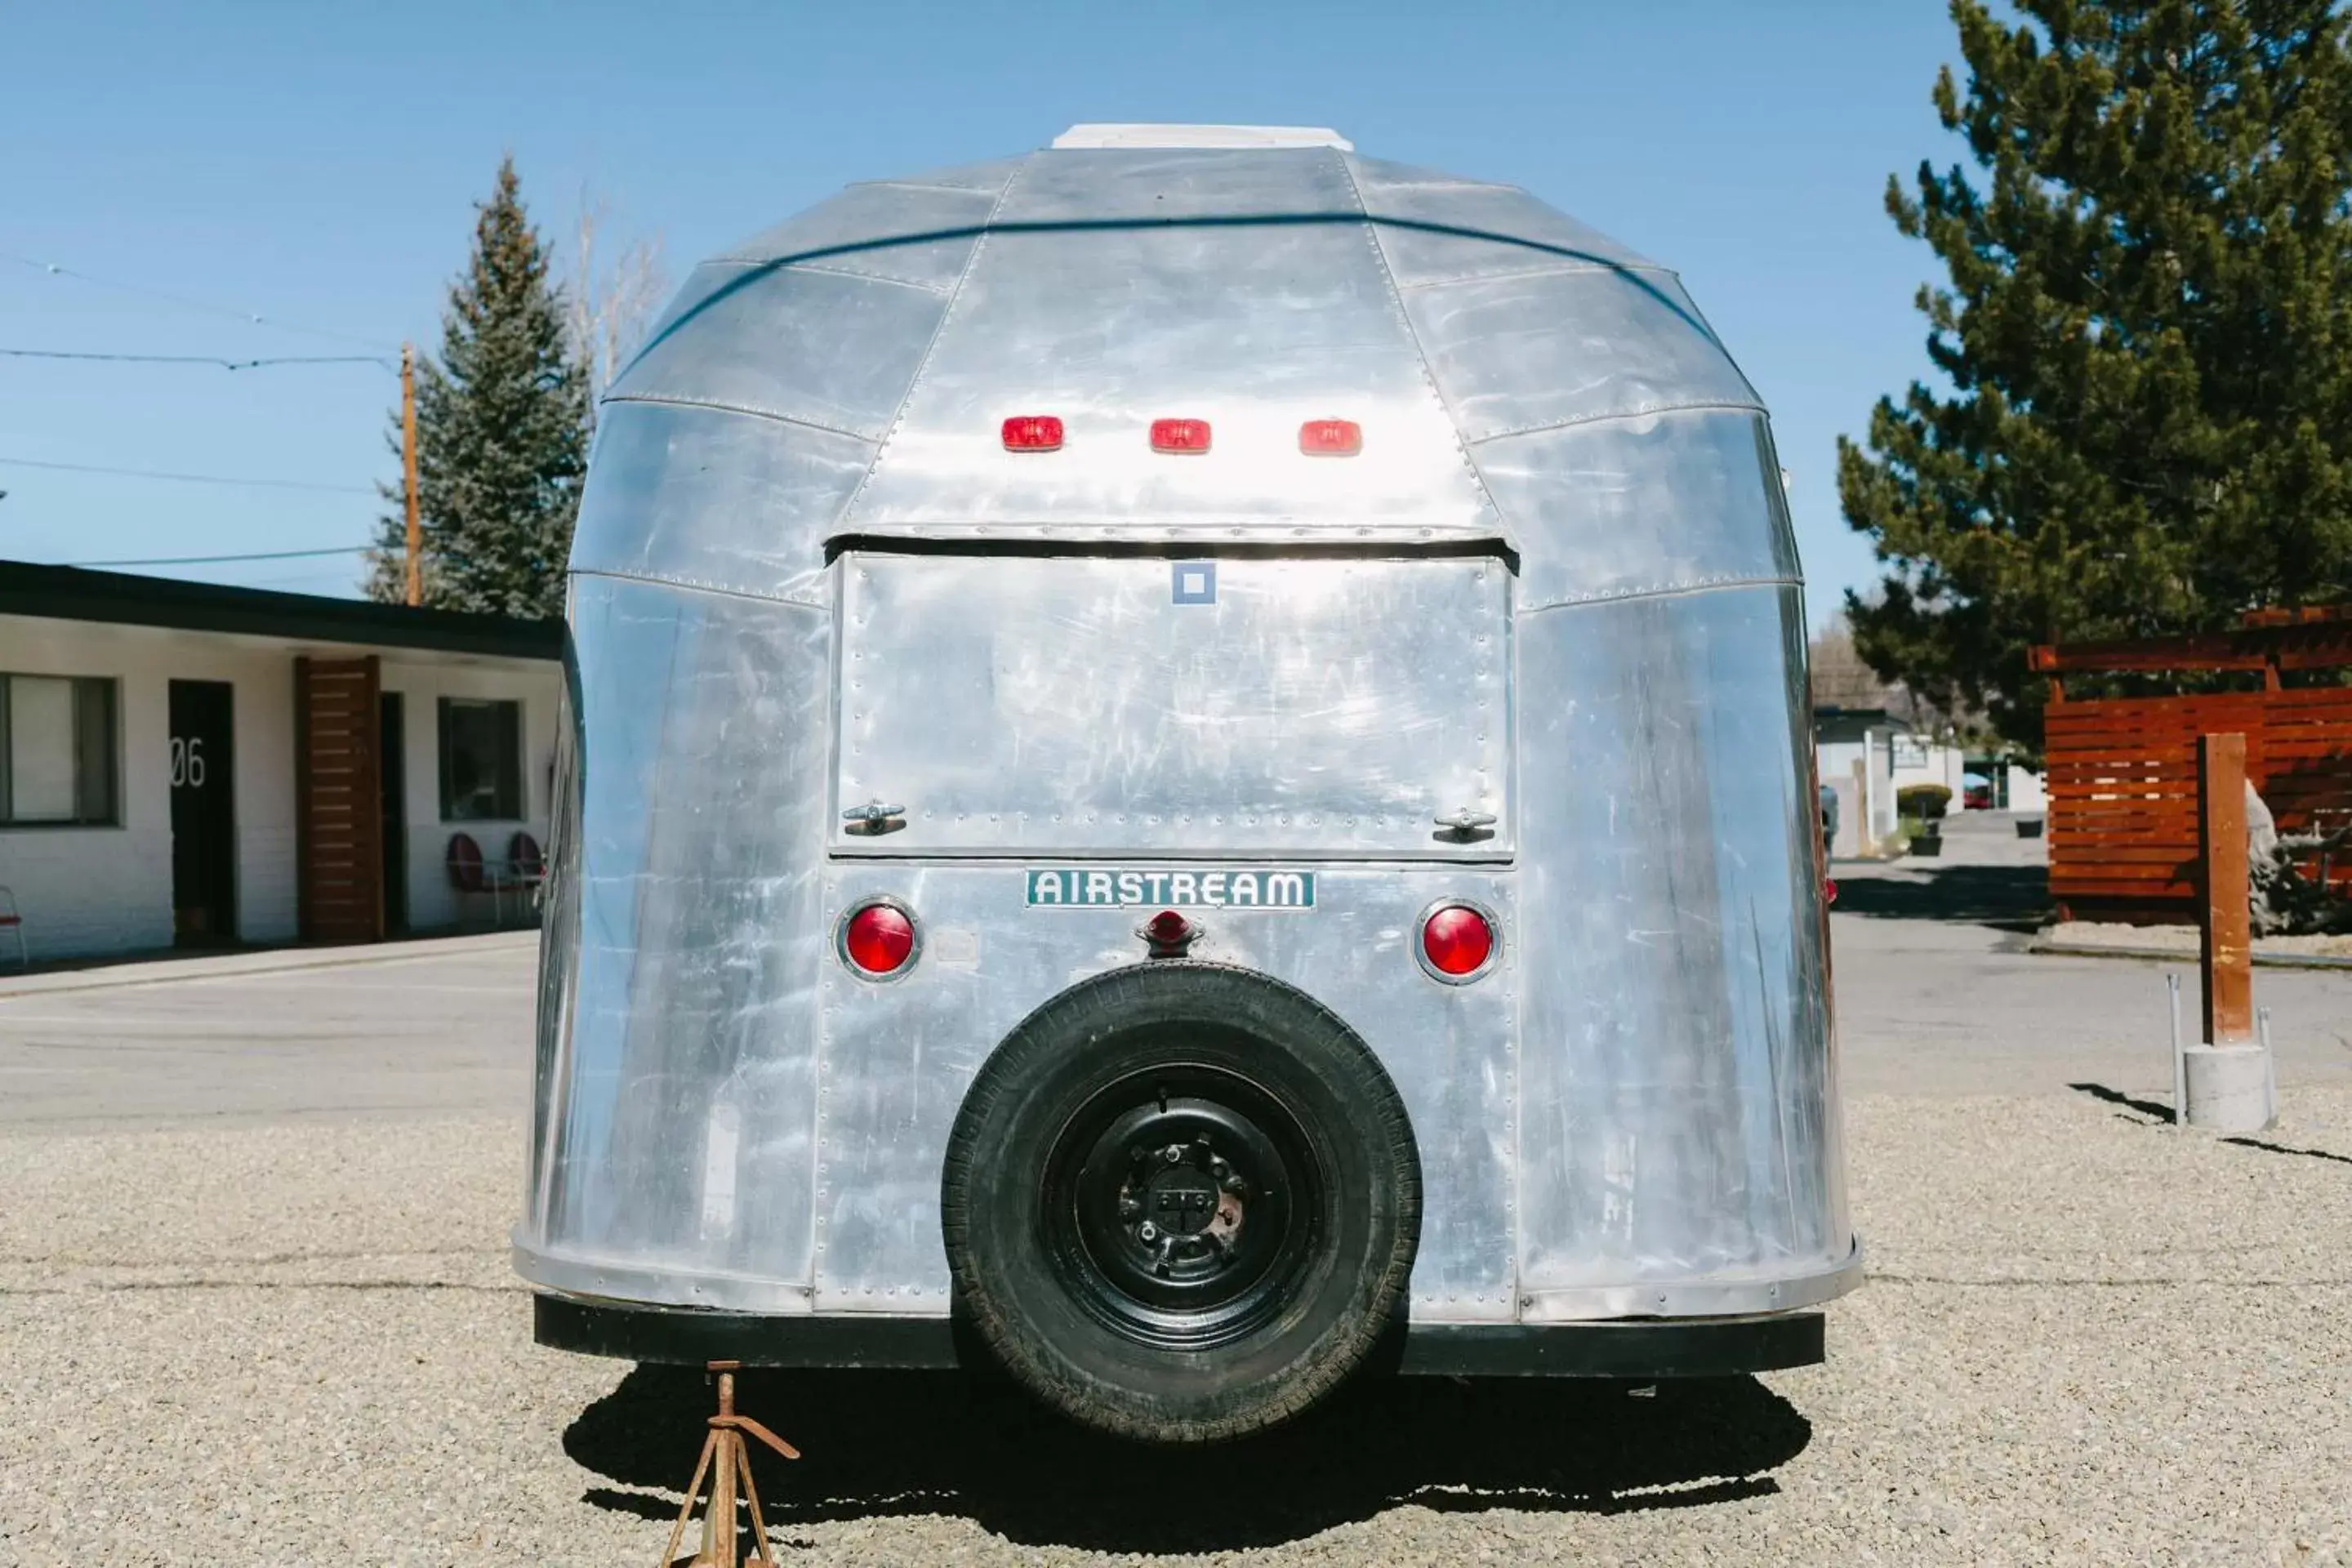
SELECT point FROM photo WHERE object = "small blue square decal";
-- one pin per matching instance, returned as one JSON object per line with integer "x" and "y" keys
{"x": 1195, "y": 582}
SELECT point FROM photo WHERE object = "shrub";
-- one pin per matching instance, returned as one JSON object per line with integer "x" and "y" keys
{"x": 1924, "y": 801}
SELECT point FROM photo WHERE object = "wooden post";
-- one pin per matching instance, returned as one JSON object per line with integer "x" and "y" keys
{"x": 408, "y": 464}
{"x": 2226, "y": 955}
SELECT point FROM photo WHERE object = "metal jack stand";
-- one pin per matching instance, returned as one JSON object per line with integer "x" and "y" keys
{"x": 727, "y": 1461}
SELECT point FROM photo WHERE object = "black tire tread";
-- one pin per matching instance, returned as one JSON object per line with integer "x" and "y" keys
{"x": 1132, "y": 993}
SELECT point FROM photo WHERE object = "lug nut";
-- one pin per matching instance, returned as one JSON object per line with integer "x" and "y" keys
{"x": 1173, "y": 1153}
{"x": 1147, "y": 1231}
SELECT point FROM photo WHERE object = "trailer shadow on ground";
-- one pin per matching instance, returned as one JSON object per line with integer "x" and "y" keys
{"x": 879, "y": 1443}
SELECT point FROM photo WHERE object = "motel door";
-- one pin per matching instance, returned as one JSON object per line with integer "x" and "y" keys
{"x": 339, "y": 800}
{"x": 204, "y": 814}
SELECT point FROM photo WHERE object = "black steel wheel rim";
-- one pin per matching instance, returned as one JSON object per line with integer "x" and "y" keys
{"x": 1181, "y": 1206}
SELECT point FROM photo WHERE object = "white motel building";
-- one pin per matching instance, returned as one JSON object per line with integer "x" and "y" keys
{"x": 185, "y": 765}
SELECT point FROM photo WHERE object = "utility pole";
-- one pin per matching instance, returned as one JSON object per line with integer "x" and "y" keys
{"x": 408, "y": 463}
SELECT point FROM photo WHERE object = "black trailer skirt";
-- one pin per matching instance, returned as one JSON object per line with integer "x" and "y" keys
{"x": 1638, "y": 1348}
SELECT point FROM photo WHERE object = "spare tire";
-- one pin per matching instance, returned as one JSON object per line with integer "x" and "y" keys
{"x": 1182, "y": 1202}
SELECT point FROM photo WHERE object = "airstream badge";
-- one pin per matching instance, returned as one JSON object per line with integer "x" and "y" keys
{"x": 1112, "y": 888}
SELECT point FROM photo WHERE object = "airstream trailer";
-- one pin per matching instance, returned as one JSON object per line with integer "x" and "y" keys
{"x": 1187, "y": 771}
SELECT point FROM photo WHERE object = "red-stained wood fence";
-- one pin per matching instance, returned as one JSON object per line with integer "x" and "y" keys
{"x": 2123, "y": 790}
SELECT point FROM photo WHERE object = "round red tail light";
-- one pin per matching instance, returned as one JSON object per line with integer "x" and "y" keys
{"x": 1457, "y": 943}
{"x": 879, "y": 938}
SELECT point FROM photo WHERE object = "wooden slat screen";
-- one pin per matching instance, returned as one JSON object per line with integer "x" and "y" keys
{"x": 338, "y": 790}
{"x": 2123, "y": 787}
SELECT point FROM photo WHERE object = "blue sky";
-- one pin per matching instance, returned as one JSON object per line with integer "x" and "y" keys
{"x": 317, "y": 164}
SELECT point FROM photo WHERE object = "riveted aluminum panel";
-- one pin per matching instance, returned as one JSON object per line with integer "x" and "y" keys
{"x": 673, "y": 488}
{"x": 1120, "y": 286}
{"x": 679, "y": 1139}
{"x": 1652, "y": 504}
{"x": 1157, "y": 186}
{"x": 1679, "y": 1119}
{"x": 823, "y": 348}
{"x": 684, "y": 308}
{"x": 913, "y": 235}
{"x": 553, "y": 1083}
{"x": 1073, "y": 705}
{"x": 1435, "y": 228}
{"x": 898, "y": 1056}
{"x": 1530, "y": 351}
{"x": 988, "y": 175}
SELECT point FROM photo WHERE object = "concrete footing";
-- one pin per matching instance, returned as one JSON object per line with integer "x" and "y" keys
{"x": 2230, "y": 1087}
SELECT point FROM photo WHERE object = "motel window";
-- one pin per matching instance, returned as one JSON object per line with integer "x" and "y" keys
{"x": 481, "y": 760}
{"x": 56, "y": 751}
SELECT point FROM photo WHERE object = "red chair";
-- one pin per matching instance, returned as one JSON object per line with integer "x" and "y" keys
{"x": 525, "y": 871}
{"x": 465, "y": 875}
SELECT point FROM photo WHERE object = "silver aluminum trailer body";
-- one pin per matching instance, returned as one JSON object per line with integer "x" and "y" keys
{"x": 1556, "y": 585}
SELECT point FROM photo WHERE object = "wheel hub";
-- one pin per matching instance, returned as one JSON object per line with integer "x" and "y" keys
{"x": 1181, "y": 1200}
{"x": 1178, "y": 1223}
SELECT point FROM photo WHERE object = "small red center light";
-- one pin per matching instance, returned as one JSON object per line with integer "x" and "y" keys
{"x": 1829, "y": 891}
{"x": 878, "y": 938}
{"x": 1331, "y": 437}
{"x": 1167, "y": 928}
{"x": 1457, "y": 940}
{"x": 1179, "y": 435}
{"x": 1033, "y": 433}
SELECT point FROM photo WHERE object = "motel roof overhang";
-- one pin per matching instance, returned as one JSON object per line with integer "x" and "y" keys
{"x": 75, "y": 594}
{"x": 1833, "y": 725}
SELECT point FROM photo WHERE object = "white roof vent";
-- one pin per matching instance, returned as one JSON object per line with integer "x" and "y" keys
{"x": 1203, "y": 136}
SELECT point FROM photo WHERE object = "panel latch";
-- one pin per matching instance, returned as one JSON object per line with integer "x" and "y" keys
{"x": 875, "y": 818}
{"x": 1466, "y": 825}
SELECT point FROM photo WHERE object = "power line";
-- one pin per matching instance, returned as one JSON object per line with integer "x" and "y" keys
{"x": 190, "y": 478}
{"x": 252, "y": 317}
{"x": 215, "y": 560}
{"x": 202, "y": 359}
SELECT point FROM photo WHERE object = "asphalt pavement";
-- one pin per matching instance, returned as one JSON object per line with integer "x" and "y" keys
{"x": 1938, "y": 995}
{"x": 430, "y": 1028}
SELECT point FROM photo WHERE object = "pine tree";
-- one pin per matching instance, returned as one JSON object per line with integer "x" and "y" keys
{"x": 2145, "y": 345}
{"x": 501, "y": 433}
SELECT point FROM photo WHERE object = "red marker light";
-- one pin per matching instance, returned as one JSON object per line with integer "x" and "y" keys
{"x": 879, "y": 938}
{"x": 1033, "y": 433}
{"x": 1457, "y": 942}
{"x": 1331, "y": 437}
{"x": 1167, "y": 934}
{"x": 1179, "y": 435}
{"x": 1829, "y": 891}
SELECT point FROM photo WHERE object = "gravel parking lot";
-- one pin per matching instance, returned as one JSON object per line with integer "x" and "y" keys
{"x": 241, "y": 1322}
